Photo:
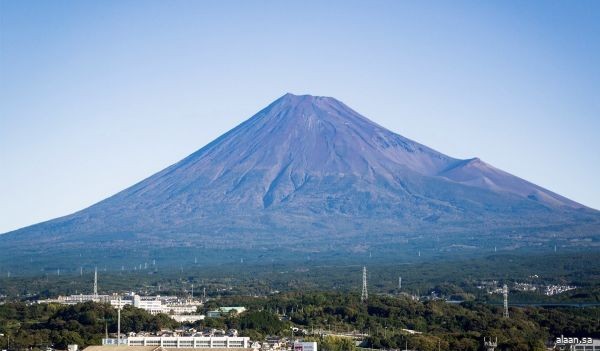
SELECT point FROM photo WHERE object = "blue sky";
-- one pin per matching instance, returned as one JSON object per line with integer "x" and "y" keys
{"x": 97, "y": 95}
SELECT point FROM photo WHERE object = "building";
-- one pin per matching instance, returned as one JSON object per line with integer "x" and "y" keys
{"x": 75, "y": 299}
{"x": 170, "y": 305}
{"x": 189, "y": 318}
{"x": 203, "y": 342}
{"x": 151, "y": 348}
{"x": 578, "y": 344}
{"x": 305, "y": 346}
{"x": 225, "y": 310}
{"x": 182, "y": 308}
{"x": 157, "y": 304}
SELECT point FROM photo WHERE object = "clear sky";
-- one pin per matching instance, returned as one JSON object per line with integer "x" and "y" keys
{"x": 97, "y": 95}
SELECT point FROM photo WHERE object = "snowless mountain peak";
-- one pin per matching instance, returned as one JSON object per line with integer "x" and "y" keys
{"x": 306, "y": 169}
{"x": 317, "y": 137}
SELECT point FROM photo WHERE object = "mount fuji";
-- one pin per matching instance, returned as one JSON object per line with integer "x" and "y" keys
{"x": 311, "y": 175}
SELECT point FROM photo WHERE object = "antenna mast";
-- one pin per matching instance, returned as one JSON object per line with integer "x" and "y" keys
{"x": 365, "y": 294}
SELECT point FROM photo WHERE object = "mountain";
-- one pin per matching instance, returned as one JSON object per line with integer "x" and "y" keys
{"x": 312, "y": 175}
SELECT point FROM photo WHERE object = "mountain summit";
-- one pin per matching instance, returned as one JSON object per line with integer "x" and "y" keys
{"x": 310, "y": 171}
{"x": 299, "y": 139}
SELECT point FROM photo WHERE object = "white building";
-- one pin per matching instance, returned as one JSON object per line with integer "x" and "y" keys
{"x": 75, "y": 299}
{"x": 183, "y": 342}
{"x": 157, "y": 304}
{"x": 170, "y": 305}
{"x": 189, "y": 318}
{"x": 181, "y": 308}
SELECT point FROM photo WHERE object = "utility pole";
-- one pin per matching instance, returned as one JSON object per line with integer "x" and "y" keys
{"x": 95, "y": 282}
{"x": 119, "y": 323}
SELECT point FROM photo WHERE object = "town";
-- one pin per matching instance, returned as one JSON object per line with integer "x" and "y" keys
{"x": 279, "y": 321}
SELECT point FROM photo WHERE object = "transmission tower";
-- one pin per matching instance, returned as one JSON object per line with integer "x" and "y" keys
{"x": 95, "y": 282}
{"x": 365, "y": 294}
{"x": 505, "y": 293}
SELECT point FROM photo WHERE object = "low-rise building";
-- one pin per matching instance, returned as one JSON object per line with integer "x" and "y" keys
{"x": 224, "y": 342}
{"x": 170, "y": 305}
{"x": 221, "y": 311}
{"x": 305, "y": 346}
{"x": 189, "y": 318}
{"x": 157, "y": 304}
{"x": 75, "y": 299}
